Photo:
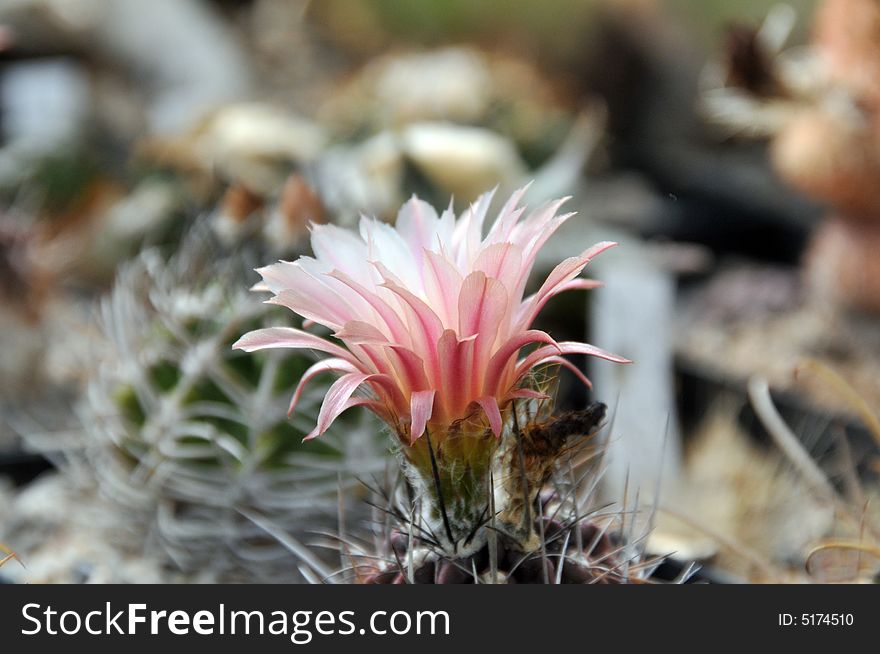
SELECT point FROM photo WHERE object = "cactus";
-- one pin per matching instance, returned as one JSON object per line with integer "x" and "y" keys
{"x": 189, "y": 442}
{"x": 541, "y": 524}
{"x": 538, "y": 520}
{"x": 431, "y": 317}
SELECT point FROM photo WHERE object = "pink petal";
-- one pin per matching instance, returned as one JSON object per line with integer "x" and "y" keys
{"x": 424, "y": 314}
{"x": 558, "y": 277}
{"x": 500, "y": 359}
{"x": 533, "y": 233}
{"x": 386, "y": 245}
{"x": 388, "y": 315}
{"x": 320, "y": 272}
{"x": 482, "y": 307}
{"x": 508, "y": 217}
{"x": 409, "y": 369}
{"x": 469, "y": 230}
{"x": 421, "y": 407}
{"x": 385, "y": 378}
{"x": 410, "y": 302}
{"x": 425, "y": 327}
{"x": 571, "y": 267}
{"x": 321, "y": 310}
{"x": 260, "y": 287}
{"x": 278, "y": 276}
{"x": 490, "y": 406}
{"x": 582, "y": 285}
{"x": 565, "y": 363}
{"x": 456, "y": 376}
{"x": 528, "y": 394}
{"x": 340, "y": 248}
{"x": 327, "y": 365}
{"x": 338, "y": 399}
{"x": 532, "y": 305}
{"x": 288, "y": 337}
{"x": 548, "y": 352}
{"x": 442, "y": 286}
{"x": 539, "y": 225}
{"x": 359, "y": 332}
{"x": 501, "y": 261}
{"x": 387, "y": 388}
{"x": 417, "y": 222}
{"x": 348, "y": 404}
{"x": 305, "y": 290}
{"x": 446, "y": 226}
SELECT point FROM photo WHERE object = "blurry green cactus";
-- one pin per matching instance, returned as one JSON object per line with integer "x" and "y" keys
{"x": 190, "y": 440}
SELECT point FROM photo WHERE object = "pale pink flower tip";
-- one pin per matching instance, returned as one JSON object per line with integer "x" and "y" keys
{"x": 428, "y": 315}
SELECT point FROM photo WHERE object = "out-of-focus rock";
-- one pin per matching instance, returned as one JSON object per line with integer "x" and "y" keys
{"x": 186, "y": 55}
{"x": 458, "y": 84}
{"x": 463, "y": 160}
{"x": 447, "y": 84}
{"x": 363, "y": 178}
{"x": 254, "y": 144}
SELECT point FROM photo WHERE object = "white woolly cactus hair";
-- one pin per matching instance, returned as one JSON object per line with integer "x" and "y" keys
{"x": 190, "y": 442}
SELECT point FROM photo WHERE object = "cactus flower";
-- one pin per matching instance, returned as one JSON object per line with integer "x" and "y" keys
{"x": 428, "y": 317}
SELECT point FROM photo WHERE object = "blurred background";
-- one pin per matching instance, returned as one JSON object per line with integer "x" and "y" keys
{"x": 152, "y": 154}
